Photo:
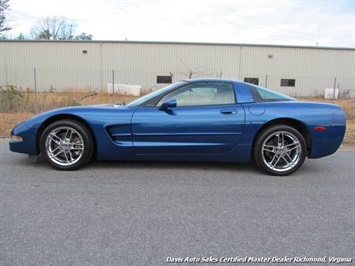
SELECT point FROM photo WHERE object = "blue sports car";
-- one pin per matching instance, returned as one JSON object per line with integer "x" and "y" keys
{"x": 191, "y": 120}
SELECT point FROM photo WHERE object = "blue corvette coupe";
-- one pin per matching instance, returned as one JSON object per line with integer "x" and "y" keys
{"x": 192, "y": 120}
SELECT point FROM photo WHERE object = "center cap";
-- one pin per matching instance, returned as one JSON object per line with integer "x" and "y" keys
{"x": 64, "y": 146}
{"x": 282, "y": 151}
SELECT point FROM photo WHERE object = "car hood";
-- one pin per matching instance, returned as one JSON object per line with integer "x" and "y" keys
{"x": 79, "y": 111}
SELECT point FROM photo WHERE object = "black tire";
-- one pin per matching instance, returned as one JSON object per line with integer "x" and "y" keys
{"x": 67, "y": 145}
{"x": 279, "y": 150}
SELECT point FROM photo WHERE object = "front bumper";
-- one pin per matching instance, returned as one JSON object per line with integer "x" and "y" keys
{"x": 24, "y": 140}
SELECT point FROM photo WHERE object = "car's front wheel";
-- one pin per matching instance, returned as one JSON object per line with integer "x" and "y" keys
{"x": 67, "y": 144}
{"x": 280, "y": 150}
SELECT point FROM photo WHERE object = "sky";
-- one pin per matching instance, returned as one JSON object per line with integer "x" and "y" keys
{"x": 326, "y": 23}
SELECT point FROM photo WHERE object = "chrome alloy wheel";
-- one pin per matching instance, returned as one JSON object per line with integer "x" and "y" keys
{"x": 281, "y": 151}
{"x": 64, "y": 146}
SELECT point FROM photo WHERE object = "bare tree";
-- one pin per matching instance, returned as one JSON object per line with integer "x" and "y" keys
{"x": 21, "y": 36}
{"x": 197, "y": 72}
{"x": 84, "y": 37}
{"x": 53, "y": 28}
{"x": 4, "y": 6}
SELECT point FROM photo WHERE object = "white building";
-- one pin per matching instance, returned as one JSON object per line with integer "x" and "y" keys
{"x": 91, "y": 65}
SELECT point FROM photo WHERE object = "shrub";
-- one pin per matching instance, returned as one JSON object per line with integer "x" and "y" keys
{"x": 13, "y": 100}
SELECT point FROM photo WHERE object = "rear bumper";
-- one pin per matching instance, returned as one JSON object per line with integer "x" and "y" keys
{"x": 327, "y": 142}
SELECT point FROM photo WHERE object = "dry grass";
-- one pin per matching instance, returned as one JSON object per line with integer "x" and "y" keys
{"x": 47, "y": 101}
{"x": 9, "y": 120}
{"x": 348, "y": 105}
{"x": 349, "y": 139}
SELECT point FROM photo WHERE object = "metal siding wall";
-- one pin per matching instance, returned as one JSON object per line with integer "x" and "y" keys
{"x": 58, "y": 65}
{"x": 141, "y": 63}
{"x": 64, "y": 66}
{"x": 313, "y": 69}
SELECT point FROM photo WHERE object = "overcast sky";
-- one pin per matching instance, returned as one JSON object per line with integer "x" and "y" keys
{"x": 286, "y": 22}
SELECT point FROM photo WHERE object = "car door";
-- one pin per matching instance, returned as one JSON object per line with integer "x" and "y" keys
{"x": 206, "y": 120}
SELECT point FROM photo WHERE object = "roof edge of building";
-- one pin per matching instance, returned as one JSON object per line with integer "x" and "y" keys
{"x": 183, "y": 43}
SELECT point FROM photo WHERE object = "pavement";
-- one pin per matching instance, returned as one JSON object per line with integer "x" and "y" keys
{"x": 153, "y": 213}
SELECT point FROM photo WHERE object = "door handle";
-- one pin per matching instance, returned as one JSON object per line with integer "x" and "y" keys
{"x": 229, "y": 112}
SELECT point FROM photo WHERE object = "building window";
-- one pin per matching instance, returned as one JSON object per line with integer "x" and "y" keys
{"x": 164, "y": 79}
{"x": 254, "y": 81}
{"x": 288, "y": 82}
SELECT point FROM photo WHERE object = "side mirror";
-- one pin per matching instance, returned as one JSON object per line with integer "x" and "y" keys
{"x": 168, "y": 104}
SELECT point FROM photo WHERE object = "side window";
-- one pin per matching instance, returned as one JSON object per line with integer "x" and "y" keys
{"x": 264, "y": 95}
{"x": 202, "y": 94}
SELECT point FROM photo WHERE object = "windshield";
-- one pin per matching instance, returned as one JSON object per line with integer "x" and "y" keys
{"x": 152, "y": 95}
{"x": 265, "y": 95}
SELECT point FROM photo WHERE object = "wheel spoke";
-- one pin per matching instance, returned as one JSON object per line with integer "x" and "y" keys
{"x": 272, "y": 163}
{"x": 293, "y": 146}
{"x": 55, "y": 150}
{"x": 55, "y": 138}
{"x": 288, "y": 160}
{"x": 269, "y": 148}
{"x": 66, "y": 133}
{"x": 55, "y": 155}
{"x": 278, "y": 138}
{"x": 71, "y": 157}
{"x": 282, "y": 139}
{"x": 66, "y": 158}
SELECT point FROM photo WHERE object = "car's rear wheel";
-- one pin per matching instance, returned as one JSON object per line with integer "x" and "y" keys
{"x": 280, "y": 150}
{"x": 67, "y": 144}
